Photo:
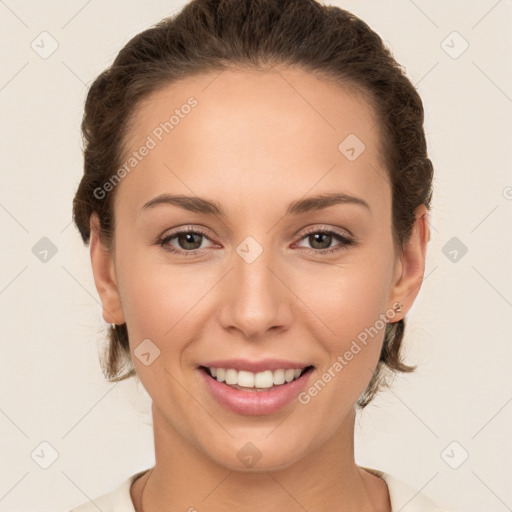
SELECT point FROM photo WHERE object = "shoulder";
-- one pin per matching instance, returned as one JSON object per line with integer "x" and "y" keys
{"x": 405, "y": 498}
{"x": 118, "y": 500}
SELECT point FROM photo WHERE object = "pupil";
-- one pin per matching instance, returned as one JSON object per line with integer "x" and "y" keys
{"x": 186, "y": 242}
{"x": 321, "y": 235}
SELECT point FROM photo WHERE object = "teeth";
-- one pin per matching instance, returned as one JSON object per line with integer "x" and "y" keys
{"x": 260, "y": 380}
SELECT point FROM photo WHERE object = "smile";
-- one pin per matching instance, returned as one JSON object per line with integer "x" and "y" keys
{"x": 248, "y": 381}
{"x": 254, "y": 393}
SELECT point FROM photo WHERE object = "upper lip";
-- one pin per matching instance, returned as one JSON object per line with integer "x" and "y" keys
{"x": 255, "y": 366}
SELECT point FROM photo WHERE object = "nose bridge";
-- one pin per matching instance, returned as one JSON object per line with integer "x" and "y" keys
{"x": 256, "y": 297}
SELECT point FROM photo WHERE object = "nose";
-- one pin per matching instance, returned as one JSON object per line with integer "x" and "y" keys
{"x": 255, "y": 297}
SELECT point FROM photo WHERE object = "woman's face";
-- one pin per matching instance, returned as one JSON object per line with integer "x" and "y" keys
{"x": 278, "y": 276}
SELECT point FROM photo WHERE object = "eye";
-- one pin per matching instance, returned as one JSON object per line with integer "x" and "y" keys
{"x": 321, "y": 239}
{"x": 189, "y": 241}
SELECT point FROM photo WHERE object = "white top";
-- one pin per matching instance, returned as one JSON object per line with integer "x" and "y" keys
{"x": 403, "y": 498}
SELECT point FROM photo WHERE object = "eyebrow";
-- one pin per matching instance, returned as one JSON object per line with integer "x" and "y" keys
{"x": 309, "y": 204}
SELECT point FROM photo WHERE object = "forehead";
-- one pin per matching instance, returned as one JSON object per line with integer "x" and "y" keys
{"x": 278, "y": 132}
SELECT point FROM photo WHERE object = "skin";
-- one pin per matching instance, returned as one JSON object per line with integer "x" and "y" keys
{"x": 269, "y": 138}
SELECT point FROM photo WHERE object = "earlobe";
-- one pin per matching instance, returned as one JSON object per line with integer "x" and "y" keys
{"x": 104, "y": 275}
{"x": 411, "y": 266}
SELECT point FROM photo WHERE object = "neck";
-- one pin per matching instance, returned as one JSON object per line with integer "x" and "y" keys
{"x": 326, "y": 479}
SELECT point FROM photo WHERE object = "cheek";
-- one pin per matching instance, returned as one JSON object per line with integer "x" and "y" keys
{"x": 348, "y": 300}
{"x": 352, "y": 309}
{"x": 164, "y": 303}
{"x": 349, "y": 303}
{"x": 153, "y": 298}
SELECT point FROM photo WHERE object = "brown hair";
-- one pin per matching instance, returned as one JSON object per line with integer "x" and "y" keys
{"x": 212, "y": 35}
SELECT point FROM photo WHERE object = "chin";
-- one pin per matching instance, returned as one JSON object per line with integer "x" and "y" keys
{"x": 258, "y": 453}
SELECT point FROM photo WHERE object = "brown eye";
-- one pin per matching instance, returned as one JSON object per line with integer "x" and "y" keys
{"x": 188, "y": 241}
{"x": 320, "y": 241}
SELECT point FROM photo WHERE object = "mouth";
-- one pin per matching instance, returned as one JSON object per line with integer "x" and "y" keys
{"x": 255, "y": 394}
{"x": 266, "y": 380}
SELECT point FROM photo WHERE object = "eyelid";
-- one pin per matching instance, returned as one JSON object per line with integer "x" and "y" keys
{"x": 319, "y": 228}
{"x": 184, "y": 229}
{"x": 343, "y": 238}
{"x": 315, "y": 228}
{"x": 345, "y": 241}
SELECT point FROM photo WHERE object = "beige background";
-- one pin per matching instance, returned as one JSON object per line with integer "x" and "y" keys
{"x": 51, "y": 386}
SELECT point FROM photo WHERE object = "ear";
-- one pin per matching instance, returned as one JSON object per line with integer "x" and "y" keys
{"x": 104, "y": 275}
{"x": 410, "y": 267}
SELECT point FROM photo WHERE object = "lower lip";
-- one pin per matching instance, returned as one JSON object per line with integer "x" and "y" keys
{"x": 255, "y": 403}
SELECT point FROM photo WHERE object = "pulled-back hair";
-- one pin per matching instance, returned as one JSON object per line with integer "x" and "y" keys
{"x": 213, "y": 35}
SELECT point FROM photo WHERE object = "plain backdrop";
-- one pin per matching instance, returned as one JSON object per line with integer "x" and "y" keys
{"x": 444, "y": 429}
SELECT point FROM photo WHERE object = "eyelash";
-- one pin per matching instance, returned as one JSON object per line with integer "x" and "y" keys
{"x": 340, "y": 238}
